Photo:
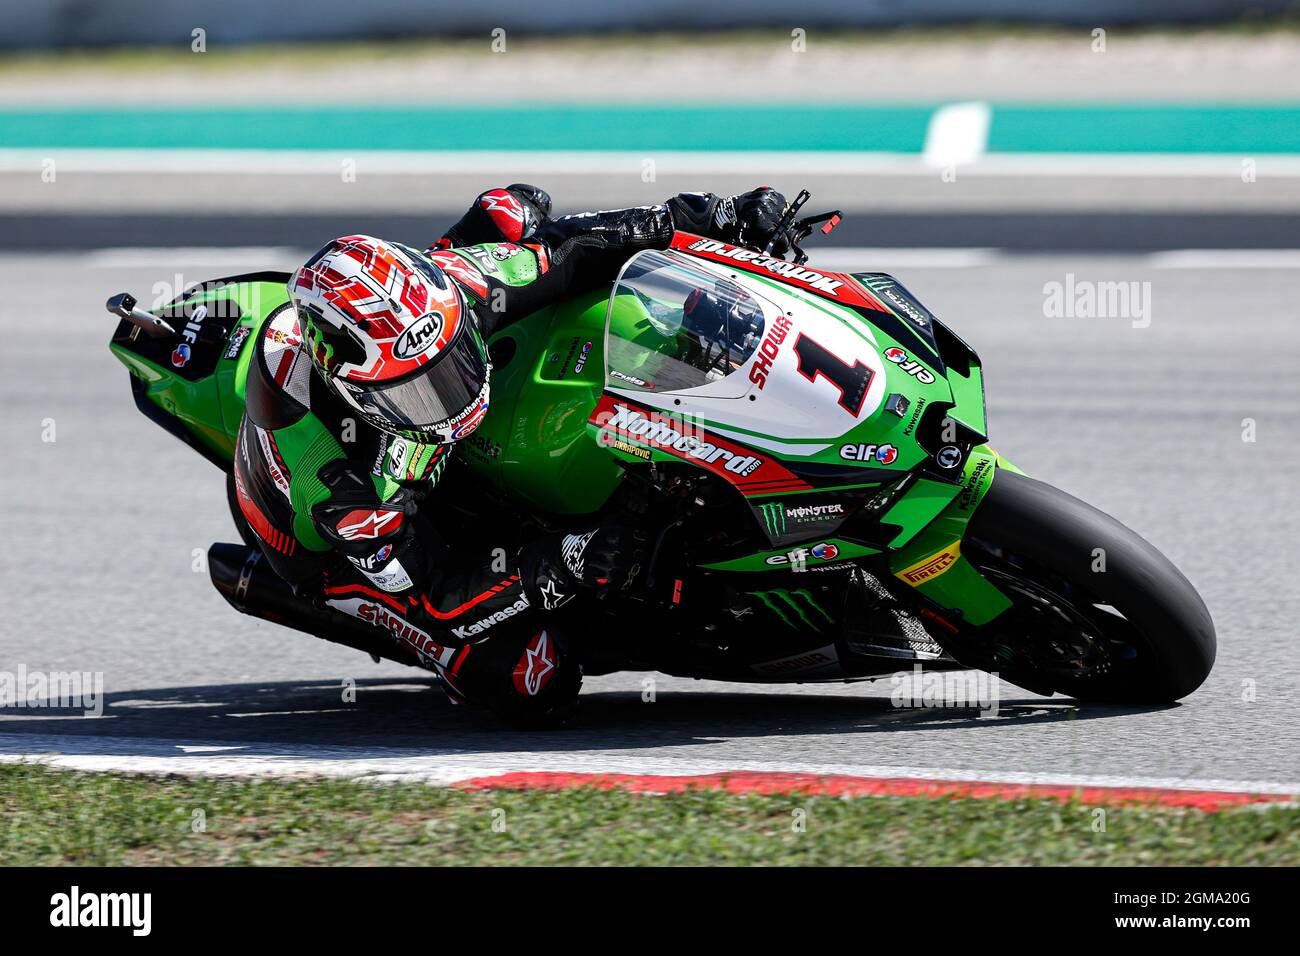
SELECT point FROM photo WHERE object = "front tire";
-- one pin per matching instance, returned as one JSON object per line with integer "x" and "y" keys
{"x": 1129, "y": 630}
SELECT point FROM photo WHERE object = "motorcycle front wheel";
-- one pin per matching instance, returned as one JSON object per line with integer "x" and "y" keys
{"x": 1097, "y": 612}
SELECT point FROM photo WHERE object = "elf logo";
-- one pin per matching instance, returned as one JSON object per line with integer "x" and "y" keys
{"x": 910, "y": 366}
{"x": 884, "y": 454}
{"x": 181, "y": 354}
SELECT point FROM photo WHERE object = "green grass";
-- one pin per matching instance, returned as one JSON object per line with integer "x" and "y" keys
{"x": 52, "y": 817}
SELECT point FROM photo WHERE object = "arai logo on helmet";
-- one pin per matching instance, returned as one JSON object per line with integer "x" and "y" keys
{"x": 418, "y": 337}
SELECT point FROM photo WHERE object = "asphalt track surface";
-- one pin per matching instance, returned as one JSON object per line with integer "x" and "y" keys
{"x": 1020, "y": 232}
{"x": 1145, "y": 423}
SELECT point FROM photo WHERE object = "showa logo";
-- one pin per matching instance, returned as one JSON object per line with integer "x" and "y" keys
{"x": 53, "y": 690}
{"x": 967, "y": 690}
{"x": 1083, "y": 299}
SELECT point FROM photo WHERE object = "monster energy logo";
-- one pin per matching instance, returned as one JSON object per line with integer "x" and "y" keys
{"x": 799, "y": 603}
{"x": 774, "y": 518}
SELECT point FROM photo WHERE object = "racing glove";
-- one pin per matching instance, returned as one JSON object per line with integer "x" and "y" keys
{"x": 749, "y": 219}
{"x": 499, "y": 215}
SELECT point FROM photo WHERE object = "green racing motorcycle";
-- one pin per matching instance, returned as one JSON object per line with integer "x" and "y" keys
{"x": 805, "y": 450}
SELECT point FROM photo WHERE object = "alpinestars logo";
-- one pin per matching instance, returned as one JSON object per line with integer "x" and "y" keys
{"x": 361, "y": 525}
{"x": 536, "y": 665}
{"x": 505, "y": 614}
{"x": 662, "y": 434}
{"x": 780, "y": 267}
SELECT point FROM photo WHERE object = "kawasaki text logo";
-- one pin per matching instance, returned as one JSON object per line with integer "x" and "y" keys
{"x": 478, "y": 627}
{"x": 787, "y": 270}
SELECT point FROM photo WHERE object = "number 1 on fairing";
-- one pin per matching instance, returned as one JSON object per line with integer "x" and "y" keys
{"x": 852, "y": 380}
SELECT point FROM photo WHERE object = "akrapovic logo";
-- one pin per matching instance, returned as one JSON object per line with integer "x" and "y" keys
{"x": 780, "y": 267}
{"x": 674, "y": 435}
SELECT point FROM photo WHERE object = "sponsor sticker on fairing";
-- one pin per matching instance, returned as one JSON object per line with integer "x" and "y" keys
{"x": 237, "y": 340}
{"x": 781, "y": 267}
{"x": 882, "y": 454}
{"x": 909, "y": 365}
{"x": 679, "y": 439}
{"x": 932, "y": 566}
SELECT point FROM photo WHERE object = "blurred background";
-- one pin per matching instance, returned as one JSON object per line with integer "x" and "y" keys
{"x": 982, "y": 150}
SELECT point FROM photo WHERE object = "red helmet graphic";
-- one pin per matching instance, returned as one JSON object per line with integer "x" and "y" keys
{"x": 392, "y": 336}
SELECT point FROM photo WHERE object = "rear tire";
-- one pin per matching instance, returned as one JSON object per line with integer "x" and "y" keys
{"x": 1152, "y": 639}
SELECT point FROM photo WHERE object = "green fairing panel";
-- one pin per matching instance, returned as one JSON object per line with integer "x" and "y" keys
{"x": 932, "y": 561}
{"x": 547, "y": 374}
{"x": 212, "y": 407}
{"x": 781, "y": 558}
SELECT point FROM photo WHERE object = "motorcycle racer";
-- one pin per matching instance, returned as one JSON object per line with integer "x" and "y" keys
{"x": 363, "y": 383}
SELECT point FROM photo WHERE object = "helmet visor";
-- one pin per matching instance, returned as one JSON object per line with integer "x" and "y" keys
{"x": 426, "y": 405}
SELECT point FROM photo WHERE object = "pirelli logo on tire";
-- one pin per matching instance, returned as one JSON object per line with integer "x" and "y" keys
{"x": 929, "y": 568}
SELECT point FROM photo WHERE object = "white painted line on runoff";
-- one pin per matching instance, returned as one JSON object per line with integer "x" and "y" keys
{"x": 867, "y": 258}
{"x": 168, "y": 256}
{"x": 270, "y": 759}
{"x": 958, "y": 135}
{"x": 1225, "y": 259}
{"x": 835, "y": 258}
{"x": 667, "y": 162}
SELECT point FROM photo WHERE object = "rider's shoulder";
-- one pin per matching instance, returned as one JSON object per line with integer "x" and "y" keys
{"x": 511, "y": 263}
{"x": 278, "y": 392}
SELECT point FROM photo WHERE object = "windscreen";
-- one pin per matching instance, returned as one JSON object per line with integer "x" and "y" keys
{"x": 673, "y": 325}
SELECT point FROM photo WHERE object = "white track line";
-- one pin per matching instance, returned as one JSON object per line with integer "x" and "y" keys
{"x": 165, "y": 256}
{"x": 263, "y": 759}
{"x": 667, "y": 161}
{"x": 842, "y": 258}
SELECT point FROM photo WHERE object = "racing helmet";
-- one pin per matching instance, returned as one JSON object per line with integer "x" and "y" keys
{"x": 391, "y": 334}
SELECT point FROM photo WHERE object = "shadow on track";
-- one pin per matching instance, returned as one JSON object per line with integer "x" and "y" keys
{"x": 414, "y": 716}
